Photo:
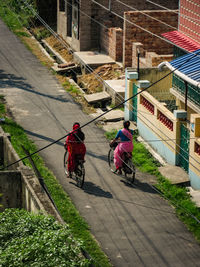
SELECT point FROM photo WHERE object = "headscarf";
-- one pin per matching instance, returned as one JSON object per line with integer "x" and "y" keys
{"x": 76, "y": 125}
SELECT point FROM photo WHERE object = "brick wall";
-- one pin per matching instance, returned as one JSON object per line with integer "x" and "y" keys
{"x": 111, "y": 40}
{"x": 91, "y": 33}
{"x": 149, "y": 42}
{"x": 189, "y": 18}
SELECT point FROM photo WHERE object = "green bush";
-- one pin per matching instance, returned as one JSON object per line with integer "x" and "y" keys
{"x": 16, "y": 14}
{"x": 28, "y": 239}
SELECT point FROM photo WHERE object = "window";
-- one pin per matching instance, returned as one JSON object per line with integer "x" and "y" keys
{"x": 62, "y": 5}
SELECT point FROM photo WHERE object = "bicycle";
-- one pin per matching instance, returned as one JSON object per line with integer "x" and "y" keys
{"x": 128, "y": 168}
{"x": 79, "y": 173}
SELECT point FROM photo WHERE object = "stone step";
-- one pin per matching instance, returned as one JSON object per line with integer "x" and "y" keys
{"x": 113, "y": 115}
{"x": 97, "y": 97}
{"x": 175, "y": 174}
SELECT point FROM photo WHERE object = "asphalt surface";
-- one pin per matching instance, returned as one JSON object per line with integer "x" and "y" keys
{"x": 133, "y": 225}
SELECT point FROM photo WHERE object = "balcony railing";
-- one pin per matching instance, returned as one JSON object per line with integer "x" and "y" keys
{"x": 147, "y": 104}
{"x": 165, "y": 120}
{"x": 193, "y": 92}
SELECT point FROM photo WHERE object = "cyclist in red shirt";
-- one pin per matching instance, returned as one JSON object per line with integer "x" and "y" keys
{"x": 75, "y": 146}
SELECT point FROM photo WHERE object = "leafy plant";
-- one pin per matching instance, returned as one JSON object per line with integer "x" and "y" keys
{"x": 27, "y": 239}
{"x": 41, "y": 33}
{"x": 16, "y": 14}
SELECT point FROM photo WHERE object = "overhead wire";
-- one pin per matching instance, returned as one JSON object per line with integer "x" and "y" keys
{"x": 177, "y": 12}
{"x": 142, "y": 28}
{"x": 145, "y": 14}
{"x": 121, "y": 98}
{"x": 158, "y": 129}
{"x": 87, "y": 66}
{"x": 95, "y": 120}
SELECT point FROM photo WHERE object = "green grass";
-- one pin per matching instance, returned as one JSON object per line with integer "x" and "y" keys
{"x": 15, "y": 15}
{"x": 69, "y": 213}
{"x": 71, "y": 88}
{"x": 178, "y": 196}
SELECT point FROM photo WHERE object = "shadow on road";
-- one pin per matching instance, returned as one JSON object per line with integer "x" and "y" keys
{"x": 101, "y": 157}
{"x": 92, "y": 189}
{"x": 51, "y": 140}
{"x": 145, "y": 187}
{"x": 10, "y": 80}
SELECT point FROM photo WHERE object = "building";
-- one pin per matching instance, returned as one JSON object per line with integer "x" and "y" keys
{"x": 176, "y": 128}
{"x": 103, "y": 26}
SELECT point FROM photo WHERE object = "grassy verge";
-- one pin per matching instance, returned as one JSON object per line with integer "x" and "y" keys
{"x": 69, "y": 213}
{"x": 15, "y": 16}
{"x": 178, "y": 196}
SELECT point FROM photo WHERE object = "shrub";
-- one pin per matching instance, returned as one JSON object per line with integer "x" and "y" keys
{"x": 28, "y": 239}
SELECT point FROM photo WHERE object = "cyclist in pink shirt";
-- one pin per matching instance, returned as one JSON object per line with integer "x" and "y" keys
{"x": 125, "y": 136}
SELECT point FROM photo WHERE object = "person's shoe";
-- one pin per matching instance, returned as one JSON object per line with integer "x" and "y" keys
{"x": 69, "y": 174}
{"x": 119, "y": 171}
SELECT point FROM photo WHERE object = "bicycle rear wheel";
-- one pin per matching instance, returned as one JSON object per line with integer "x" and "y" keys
{"x": 66, "y": 155}
{"x": 129, "y": 170}
{"x": 111, "y": 160}
{"x": 80, "y": 174}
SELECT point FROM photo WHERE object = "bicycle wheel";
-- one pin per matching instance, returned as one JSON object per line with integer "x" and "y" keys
{"x": 129, "y": 170}
{"x": 111, "y": 160}
{"x": 66, "y": 155}
{"x": 80, "y": 174}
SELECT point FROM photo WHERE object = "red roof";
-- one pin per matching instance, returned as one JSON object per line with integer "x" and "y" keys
{"x": 182, "y": 40}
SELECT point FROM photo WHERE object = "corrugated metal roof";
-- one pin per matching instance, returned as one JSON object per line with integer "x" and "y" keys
{"x": 182, "y": 40}
{"x": 190, "y": 65}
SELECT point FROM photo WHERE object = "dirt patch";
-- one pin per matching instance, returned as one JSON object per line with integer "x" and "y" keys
{"x": 60, "y": 48}
{"x": 93, "y": 81}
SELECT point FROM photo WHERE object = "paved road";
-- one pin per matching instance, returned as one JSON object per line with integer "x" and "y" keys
{"x": 134, "y": 226}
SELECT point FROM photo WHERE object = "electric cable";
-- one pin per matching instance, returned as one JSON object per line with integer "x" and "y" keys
{"x": 145, "y": 14}
{"x": 177, "y": 12}
{"x": 93, "y": 119}
{"x": 136, "y": 25}
{"x": 88, "y": 67}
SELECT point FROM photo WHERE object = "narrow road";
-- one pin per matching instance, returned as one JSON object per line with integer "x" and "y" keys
{"x": 133, "y": 225}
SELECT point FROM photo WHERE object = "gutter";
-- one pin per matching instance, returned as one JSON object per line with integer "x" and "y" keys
{"x": 177, "y": 72}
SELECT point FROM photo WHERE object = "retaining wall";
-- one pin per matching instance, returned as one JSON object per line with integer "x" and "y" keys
{"x": 19, "y": 186}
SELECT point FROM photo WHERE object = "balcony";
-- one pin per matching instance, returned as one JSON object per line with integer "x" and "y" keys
{"x": 193, "y": 92}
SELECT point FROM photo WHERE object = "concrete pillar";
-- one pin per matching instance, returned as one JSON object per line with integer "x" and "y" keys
{"x": 130, "y": 77}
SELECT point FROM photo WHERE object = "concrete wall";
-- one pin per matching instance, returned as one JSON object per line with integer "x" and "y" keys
{"x": 19, "y": 185}
{"x": 11, "y": 189}
{"x": 150, "y": 127}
